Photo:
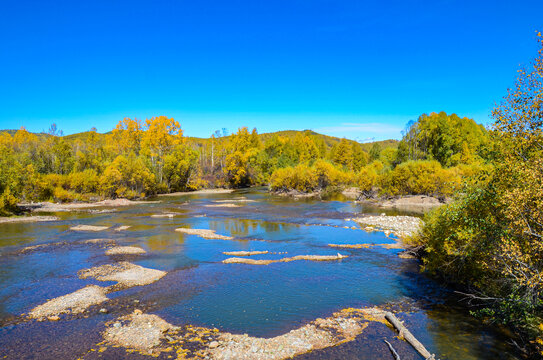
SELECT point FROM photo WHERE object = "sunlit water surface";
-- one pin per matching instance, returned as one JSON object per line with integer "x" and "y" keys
{"x": 258, "y": 300}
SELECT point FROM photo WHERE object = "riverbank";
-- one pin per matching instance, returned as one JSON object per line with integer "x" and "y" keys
{"x": 49, "y": 207}
{"x": 27, "y": 219}
{"x": 199, "y": 192}
{"x": 411, "y": 203}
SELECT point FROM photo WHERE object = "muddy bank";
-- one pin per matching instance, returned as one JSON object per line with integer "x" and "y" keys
{"x": 204, "y": 233}
{"x": 149, "y": 334}
{"x": 297, "y": 194}
{"x": 236, "y": 260}
{"x": 200, "y": 192}
{"x": 27, "y": 219}
{"x": 73, "y": 303}
{"x": 401, "y": 226}
{"x": 76, "y": 206}
{"x": 351, "y": 193}
{"x": 124, "y": 273}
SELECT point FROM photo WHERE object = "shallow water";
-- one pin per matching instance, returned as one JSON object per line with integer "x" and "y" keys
{"x": 258, "y": 300}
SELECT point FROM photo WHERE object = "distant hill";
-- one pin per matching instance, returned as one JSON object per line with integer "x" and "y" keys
{"x": 291, "y": 134}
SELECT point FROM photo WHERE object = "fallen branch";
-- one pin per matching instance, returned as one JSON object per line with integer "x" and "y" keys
{"x": 408, "y": 336}
{"x": 394, "y": 353}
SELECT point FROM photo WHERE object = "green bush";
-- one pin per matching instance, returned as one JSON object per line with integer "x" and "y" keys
{"x": 301, "y": 178}
{"x": 420, "y": 177}
{"x": 86, "y": 181}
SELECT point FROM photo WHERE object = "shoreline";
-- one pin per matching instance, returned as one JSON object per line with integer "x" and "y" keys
{"x": 46, "y": 206}
{"x": 26, "y": 219}
{"x": 199, "y": 192}
{"x": 412, "y": 203}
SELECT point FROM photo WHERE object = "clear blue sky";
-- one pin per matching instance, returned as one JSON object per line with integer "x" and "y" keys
{"x": 359, "y": 69}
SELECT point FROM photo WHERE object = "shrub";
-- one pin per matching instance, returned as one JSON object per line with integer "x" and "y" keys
{"x": 86, "y": 181}
{"x": 301, "y": 178}
{"x": 420, "y": 177}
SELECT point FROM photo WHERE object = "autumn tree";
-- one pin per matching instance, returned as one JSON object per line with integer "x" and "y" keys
{"x": 449, "y": 139}
{"x": 161, "y": 135}
{"x": 343, "y": 154}
{"x": 490, "y": 240}
{"x": 127, "y": 135}
{"x": 519, "y": 129}
{"x": 243, "y": 148}
{"x": 375, "y": 152}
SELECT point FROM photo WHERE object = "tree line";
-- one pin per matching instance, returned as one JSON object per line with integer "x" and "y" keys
{"x": 141, "y": 158}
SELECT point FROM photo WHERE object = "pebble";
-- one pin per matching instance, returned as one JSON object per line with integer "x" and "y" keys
{"x": 117, "y": 325}
{"x": 103, "y": 311}
{"x": 213, "y": 344}
{"x": 53, "y": 318}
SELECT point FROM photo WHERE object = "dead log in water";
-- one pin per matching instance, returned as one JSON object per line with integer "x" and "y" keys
{"x": 408, "y": 336}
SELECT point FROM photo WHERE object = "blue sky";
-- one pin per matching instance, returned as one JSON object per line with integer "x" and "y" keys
{"x": 359, "y": 69}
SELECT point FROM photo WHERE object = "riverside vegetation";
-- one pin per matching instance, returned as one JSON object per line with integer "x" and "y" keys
{"x": 487, "y": 241}
{"x": 138, "y": 159}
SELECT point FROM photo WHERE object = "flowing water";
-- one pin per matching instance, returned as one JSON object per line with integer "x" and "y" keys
{"x": 199, "y": 289}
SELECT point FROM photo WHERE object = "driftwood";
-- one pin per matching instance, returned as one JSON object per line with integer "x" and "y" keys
{"x": 394, "y": 353}
{"x": 408, "y": 336}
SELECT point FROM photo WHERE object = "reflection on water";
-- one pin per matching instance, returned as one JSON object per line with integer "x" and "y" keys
{"x": 200, "y": 289}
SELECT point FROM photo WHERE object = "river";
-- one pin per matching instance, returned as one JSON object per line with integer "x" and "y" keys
{"x": 199, "y": 289}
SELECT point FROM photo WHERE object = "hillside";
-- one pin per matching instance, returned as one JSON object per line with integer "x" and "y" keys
{"x": 330, "y": 141}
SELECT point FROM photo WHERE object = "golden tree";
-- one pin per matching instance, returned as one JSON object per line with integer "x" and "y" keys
{"x": 518, "y": 128}
{"x": 161, "y": 135}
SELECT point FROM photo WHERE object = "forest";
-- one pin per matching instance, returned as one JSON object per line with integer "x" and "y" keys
{"x": 143, "y": 158}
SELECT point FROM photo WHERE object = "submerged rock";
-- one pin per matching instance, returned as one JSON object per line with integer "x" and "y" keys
{"x": 99, "y": 241}
{"x": 204, "y": 233}
{"x": 88, "y": 228}
{"x": 73, "y": 303}
{"x": 124, "y": 273}
{"x": 226, "y": 205}
{"x": 125, "y": 250}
